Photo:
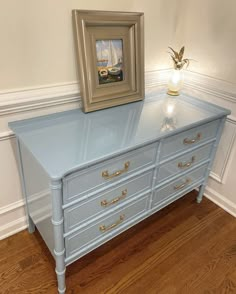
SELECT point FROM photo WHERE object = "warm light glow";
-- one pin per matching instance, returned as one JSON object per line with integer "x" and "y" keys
{"x": 175, "y": 82}
{"x": 169, "y": 106}
{"x": 170, "y": 109}
{"x": 176, "y": 77}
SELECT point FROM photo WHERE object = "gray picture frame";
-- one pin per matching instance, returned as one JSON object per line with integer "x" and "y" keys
{"x": 91, "y": 27}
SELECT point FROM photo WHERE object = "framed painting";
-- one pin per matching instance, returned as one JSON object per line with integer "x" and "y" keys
{"x": 110, "y": 54}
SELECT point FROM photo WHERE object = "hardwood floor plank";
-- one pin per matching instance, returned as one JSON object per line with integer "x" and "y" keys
{"x": 177, "y": 269}
{"x": 184, "y": 248}
{"x": 210, "y": 275}
{"x": 163, "y": 249}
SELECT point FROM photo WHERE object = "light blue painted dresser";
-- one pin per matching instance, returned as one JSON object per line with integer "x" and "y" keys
{"x": 89, "y": 177}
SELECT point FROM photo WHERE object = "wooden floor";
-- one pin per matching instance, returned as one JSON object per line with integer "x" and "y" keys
{"x": 184, "y": 248}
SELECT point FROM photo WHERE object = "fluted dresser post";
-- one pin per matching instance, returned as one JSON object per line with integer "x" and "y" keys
{"x": 59, "y": 245}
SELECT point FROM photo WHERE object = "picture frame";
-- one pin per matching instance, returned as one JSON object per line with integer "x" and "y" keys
{"x": 110, "y": 55}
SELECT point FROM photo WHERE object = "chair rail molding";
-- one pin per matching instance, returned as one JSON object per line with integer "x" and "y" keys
{"x": 210, "y": 85}
{"x": 21, "y": 100}
{"x": 6, "y": 135}
{"x": 26, "y": 99}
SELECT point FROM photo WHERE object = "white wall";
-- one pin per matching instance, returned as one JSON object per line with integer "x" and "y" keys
{"x": 38, "y": 72}
{"x": 161, "y": 18}
{"x": 37, "y": 41}
{"x": 208, "y": 28}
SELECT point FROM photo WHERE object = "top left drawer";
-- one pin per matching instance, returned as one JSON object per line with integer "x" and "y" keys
{"x": 90, "y": 179}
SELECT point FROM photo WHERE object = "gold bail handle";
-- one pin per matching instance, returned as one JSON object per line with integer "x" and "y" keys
{"x": 106, "y": 175}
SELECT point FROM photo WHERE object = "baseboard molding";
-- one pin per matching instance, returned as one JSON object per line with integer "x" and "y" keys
{"x": 13, "y": 227}
{"x": 221, "y": 201}
{"x": 16, "y": 225}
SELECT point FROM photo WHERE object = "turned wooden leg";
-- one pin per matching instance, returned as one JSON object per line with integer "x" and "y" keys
{"x": 200, "y": 193}
{"x": 61, "y": 275}
{"x": 58, "y": 229}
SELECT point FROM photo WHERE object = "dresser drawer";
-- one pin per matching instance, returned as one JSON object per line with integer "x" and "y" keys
{"x": 101, "y": 175}
{"x": 183, "y": 163}
{"x": 103, "y": 228}
{"x": 179, "y": 185}
{"x": 188, "y": 139}
{"x": 102, "y": 203}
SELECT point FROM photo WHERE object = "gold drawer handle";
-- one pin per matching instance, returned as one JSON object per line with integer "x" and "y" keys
{"x": 181, "y": 186}
{"x": 192, "y": 141}
{"x": 106, "y": 175}
{"x": 105, "y": 203}
{"x": 107, "y": 228}
{"x": 187, "y": 164}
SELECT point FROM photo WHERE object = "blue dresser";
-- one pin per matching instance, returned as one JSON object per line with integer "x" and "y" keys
{"x": 89, "y": 177}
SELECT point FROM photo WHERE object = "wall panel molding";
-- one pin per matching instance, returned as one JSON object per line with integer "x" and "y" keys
{"x": 221, "y": 176}
{"x": 224, "y": 93}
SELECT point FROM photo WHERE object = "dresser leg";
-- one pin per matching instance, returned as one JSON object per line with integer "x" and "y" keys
{"x": 60, "y": 271}
{"x": 200, "y": 194}
{"x": 58, "y": 229}
{"x": 61, "y": 281}
{"x": 31, "y": 225}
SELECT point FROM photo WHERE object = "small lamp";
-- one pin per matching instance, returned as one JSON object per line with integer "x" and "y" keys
{"x": 175, "y": 82}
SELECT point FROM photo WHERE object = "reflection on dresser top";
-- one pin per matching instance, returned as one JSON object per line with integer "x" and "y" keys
{"x": 83, "y": 139}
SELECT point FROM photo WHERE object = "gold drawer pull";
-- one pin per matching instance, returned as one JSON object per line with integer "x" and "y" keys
{"x": 187, "y": 164}
{"x": 107, "y": 228}
{"x": 105, "y": 203}
{"x": 192, "y": 141}
{"x": 106, "y": 175}
{"x": 181, "y": 186}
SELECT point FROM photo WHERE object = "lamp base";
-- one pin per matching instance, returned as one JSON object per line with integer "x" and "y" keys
{"x": 173, "y": 93}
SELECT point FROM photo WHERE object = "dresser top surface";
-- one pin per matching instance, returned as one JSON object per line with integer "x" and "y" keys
{"x": 66, "y": 141}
